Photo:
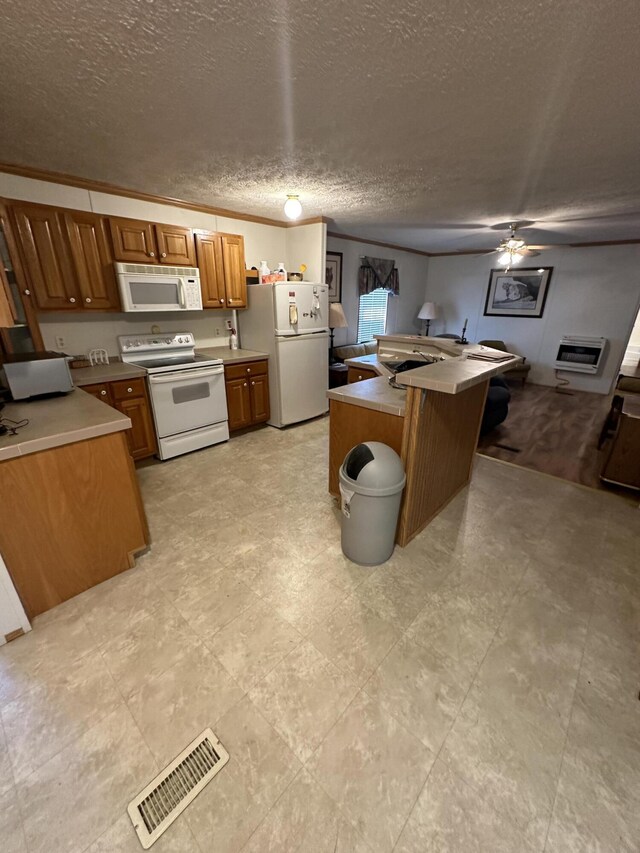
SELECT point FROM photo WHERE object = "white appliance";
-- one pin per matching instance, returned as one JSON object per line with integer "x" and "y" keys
{"x": 12, "y": 615}
{"x": 186, "y": 387}
{"x": 144, "y": 287}
{"x": 580, "y": 354}
{"x": 290, "y": 321}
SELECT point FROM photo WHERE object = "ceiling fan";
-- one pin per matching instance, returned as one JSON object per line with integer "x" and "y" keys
{"x": 513, "y": 249}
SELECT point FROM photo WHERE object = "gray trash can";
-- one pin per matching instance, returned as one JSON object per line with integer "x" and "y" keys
{"x": 371, "y": 482}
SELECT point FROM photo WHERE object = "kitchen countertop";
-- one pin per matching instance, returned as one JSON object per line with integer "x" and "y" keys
{"x": 106, "y": 373}
{"x": 455, "y": 374}
{"x": 56, "y": 421}
{"x": 374, "y": 394}
{"x": 233, "y": 356}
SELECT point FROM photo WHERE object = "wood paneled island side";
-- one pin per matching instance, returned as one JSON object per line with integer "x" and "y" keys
{"x": 433, "y": 423}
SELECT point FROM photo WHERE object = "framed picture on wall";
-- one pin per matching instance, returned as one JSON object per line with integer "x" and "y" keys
{"x": 517, "y": 293}
{"x": 333, "y": 275}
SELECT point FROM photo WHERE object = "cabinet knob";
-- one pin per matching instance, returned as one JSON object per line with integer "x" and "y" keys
{"x": 129, "y": 390}
{"x": 164, "y": 254}
{"x": 152, "y": 254}
{"x": 253, "y": 383}
{"x": 27, "y": 293}
{"x": 222, "y": 300}
{"x": 88, "y": 299}
{"x": 245, "y": 385}
{"x": 104, "y": 393}
{"x": 248, "y": 370}
{"x": 72, "y": 299}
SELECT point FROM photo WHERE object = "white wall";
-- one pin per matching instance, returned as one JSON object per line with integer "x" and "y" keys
{"x": 633, "y": 348}
{"x": 592, "y": 291}
{"x": 102, "y": 329}
{"x": 306, "y": 244}
{"x": 403, "y": 309}
{"x": 81, "y": 332}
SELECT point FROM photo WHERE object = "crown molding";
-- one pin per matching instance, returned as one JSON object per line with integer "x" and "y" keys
{"x": 114, "y": 189}
{"x": 378, "y": 243}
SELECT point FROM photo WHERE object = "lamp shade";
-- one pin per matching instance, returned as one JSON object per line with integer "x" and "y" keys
{"x": 337, "y": 320}
{"x": 429, "y": 311}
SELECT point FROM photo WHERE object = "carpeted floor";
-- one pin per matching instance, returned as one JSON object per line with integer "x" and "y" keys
{"x": 553, "y": 433}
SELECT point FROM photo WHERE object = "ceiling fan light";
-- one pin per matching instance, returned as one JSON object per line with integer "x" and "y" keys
{"x": 505, "y": 259}
{"x": 516, "y": 257}
{"x": 292, "y": 207}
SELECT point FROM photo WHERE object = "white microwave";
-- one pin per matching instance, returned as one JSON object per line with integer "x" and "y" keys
{"x": 158, "y": 288}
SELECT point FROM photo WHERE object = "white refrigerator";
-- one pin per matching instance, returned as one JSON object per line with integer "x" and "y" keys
{"x": 289, "y": 321}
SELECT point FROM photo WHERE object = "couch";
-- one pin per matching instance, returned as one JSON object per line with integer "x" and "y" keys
{"x": 496, "y": 407}
{"x": 355, "y": 350}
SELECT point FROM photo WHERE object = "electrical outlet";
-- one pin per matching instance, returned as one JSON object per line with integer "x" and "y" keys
{"x": 228, "y": 324}
{"x": 60, "y": 342}
{"x": 217, "y": 331}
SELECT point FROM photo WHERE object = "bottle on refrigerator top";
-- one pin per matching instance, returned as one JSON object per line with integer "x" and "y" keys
{"x": 233, "y": 340}
{"x": 281, "y": 272}
{"x": 265, "y": 272}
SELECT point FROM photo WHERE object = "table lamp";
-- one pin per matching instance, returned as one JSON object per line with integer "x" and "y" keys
{"x": 337, "y": 320}
{"x": 428, "y": 312}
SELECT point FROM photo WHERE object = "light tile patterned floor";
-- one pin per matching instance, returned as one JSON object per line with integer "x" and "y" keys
{"x": 479, "y": 692}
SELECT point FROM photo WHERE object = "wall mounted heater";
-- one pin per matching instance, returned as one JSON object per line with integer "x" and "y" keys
{"x": 584, "y": 355}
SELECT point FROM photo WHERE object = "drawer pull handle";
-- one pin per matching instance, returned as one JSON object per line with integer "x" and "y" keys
{"x": 248, "y": 370}
{"x": 129, "y": 390}
{"x": 27, "y": 293}
{"x": 104, "y": 393}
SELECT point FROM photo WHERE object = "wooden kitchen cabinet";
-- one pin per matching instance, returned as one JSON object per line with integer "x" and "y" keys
{"x": 139, "y": 242}
{"x": 134, "y": 241}
{"x": 359, "y": 374}
{"x": 247, "y": 386}
{"x": 46, "y": 258}
{"x": 176, "y": 245}
{"x": 235, "y": 281}
{"x": 220, "y": 259}
{"x": 92, "y": 259}
{"x": 66, "y": 258}
{"x": 130, "y": 397}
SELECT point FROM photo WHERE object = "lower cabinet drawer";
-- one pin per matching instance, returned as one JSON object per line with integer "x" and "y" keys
{"x": 99, "y": 390}
{"x": 126, "y": 388}
{"x": 358, "y": 374}
{"x": 248, "y": 368}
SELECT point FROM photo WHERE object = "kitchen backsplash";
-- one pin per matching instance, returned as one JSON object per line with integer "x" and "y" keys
{"x": 102, "y": 330}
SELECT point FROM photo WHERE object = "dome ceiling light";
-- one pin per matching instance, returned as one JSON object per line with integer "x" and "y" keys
{"x": 292, "y": 207}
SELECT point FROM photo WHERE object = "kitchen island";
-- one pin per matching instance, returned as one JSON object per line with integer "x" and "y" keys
{"x": 432, "y": 421}
{"x": 71, "y": 514}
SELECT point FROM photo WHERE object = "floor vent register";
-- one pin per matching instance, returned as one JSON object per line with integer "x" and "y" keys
{"x": 167, "y": 796}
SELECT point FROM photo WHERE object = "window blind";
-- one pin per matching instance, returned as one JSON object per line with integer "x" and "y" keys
{"x": 372, "y": 317}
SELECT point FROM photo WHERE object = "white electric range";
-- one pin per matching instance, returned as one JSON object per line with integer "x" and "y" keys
{"x": 186, "y": 388}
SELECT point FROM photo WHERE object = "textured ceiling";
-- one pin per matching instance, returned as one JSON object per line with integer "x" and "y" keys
{"x": 412, "y": 122}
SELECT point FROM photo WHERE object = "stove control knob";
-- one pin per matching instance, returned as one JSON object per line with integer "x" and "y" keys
{"x": 167, "y": 340}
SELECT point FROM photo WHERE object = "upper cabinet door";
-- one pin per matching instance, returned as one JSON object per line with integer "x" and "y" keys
{"x": 234, "y": 270}
{"x": 175, "y": 245}
{"x": 209, "y": 258}
{"x": 46, "y": 260}
{"x": 133, "y": 241}
{"x": 92, "y": 259}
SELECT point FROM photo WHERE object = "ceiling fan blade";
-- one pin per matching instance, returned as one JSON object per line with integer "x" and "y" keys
{"x": 529, "y": 252}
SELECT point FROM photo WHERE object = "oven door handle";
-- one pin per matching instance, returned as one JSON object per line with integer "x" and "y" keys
{"x": 160, "y": 379}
